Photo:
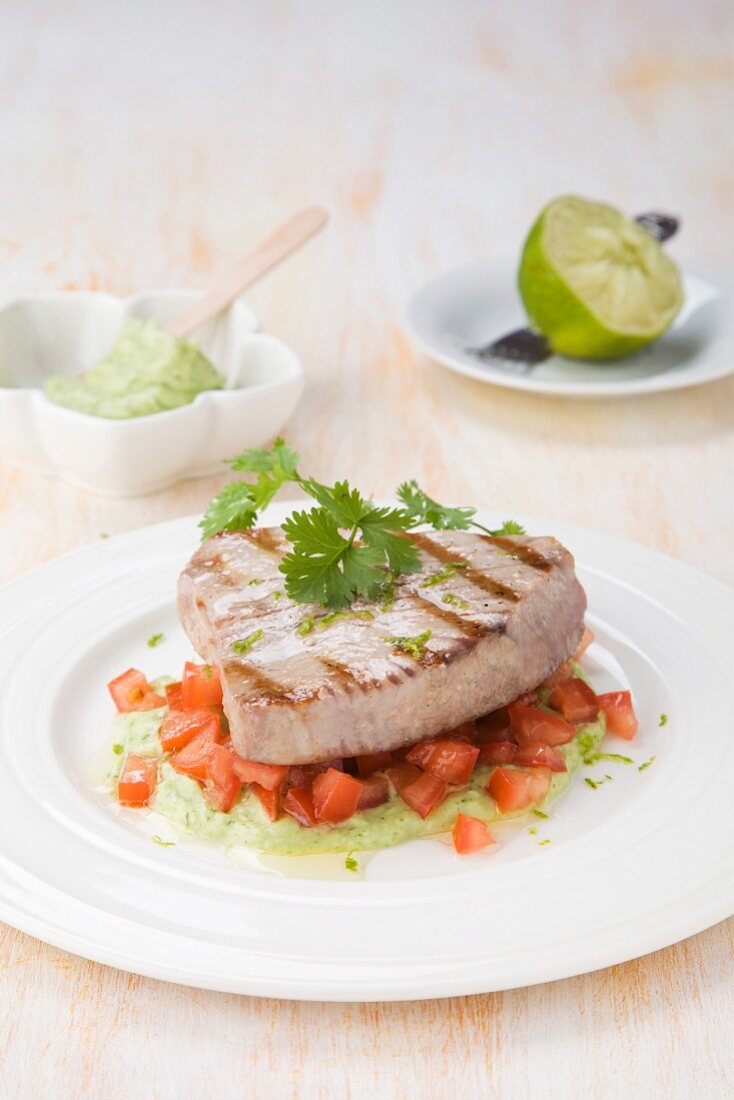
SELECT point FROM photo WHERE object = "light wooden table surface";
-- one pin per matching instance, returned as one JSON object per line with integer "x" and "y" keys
{"x": 146, "y": 144}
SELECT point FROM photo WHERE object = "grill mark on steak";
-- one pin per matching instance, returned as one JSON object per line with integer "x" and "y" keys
{"x": 528, "y": 555}
{"x": 346, "y": 676}
{"x": 466, "y": 626}
{"x": 264, "y": 689}
{"x": 475, "y": 576}
{"x": 263, "y": 538}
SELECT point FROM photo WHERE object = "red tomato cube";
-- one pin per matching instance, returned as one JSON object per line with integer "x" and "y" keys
{"x": 513, "y": 789}
{"x": 201, "y": 686}
{"x": 193, "y": 759}
{"x": 131, "y": 691}
{"x": 269, "y": 776}
{"x": 422, "y": 792}
{"x": 470, "y": 834}
{"x": 535, "y": 755}
{"x": 336, "y": 796}
{"x": 269, "y": 800}
{"x": 376, "y": 792}
{"x": 179, "y": 727}
{"x": 494, "y": 727}
{"x": 619, "y": 713}
{"x": 372, "y": 762}
{"x": 298, "y": 804}
{"x": 532, "y": 724}
{"x": 137, "y": 780}
{"x": 575, "y": 700}
{"x": 497, "y": 753}
{"x": 445, "y": 759}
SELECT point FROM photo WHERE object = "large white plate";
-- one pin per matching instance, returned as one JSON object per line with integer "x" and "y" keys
{"x": 471, "y": 306}
{"x": 633, "y": 866}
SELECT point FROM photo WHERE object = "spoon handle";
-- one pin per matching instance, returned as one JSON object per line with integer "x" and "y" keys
{"x": 267, "y": 255}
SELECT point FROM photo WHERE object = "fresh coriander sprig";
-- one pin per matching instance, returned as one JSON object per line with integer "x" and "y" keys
{"x": 345, "y": 546}
{"x": 236, "y": 508}
{"x": 425, "y": 509}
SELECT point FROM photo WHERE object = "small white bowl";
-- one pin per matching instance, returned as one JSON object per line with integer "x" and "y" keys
{"x": 64, "y": 333}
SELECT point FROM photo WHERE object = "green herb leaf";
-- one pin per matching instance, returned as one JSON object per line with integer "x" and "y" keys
{"x": 444, "y": 573}
{"x": 540, "y": 813}
{"x": 306, "y": 626}
{"x": 533, "y": 830}
{"x": 455, "y": 601}
{"x": 118, "y": 749}
{"x": 338, "y": 616}
{"x": 244, "y": 645}
{"x": 542, "y": 842}
{"x": 255, "y": 580}
{"x": 509, "y": 527}
{"x": 616, "y": 757}
{"x": 233, "y": 509}
{"x": 154, "y": 640}
{"x": 646, "y": 765}
{"x": 423, "y": 509}
{"x": 663, "y": 720}
{"x": 596, "y": 783}
{"x": 237, "y": 506}
{"x": 281, "y": 461}
{"x": 350, "y": 863}
{"x": 414, "y": 647}
{"x": 325, "y": 567}
{"x": 163, "y": 843}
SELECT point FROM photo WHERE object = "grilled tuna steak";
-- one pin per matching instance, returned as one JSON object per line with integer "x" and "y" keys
{"x": 485, "y": 619}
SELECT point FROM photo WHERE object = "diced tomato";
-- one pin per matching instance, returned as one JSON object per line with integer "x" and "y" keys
{"x": 619, "y": 713}
{"x": 372, "y": 762}
{"x": 151, "y": 701}
{"x": 561, "y": 673}
{"x": 587, "y": 638}
{"x": 497, "y": 753}
{"x": 131, "y": 691}
{"x": 446, "y": 759}
{"x": 465, "y": 732}
{"x": 269, "y": 800}
{"x": 494, "y": 727}
{"x": 298, "y": 804}
{"x": 181, "y": 726}
{"x": 536, "y": 755}
{"x": 269, "y": 776}
{"x": 222, "y": 786}
{"x": 376, "y": 791}
{"x": 193, "y": 759}
{"x": 470, "y": 834}
{"x": 174, "y": 694}
{"x": 201, "y": 686}
{"x": 575, "y": 700}
{"x": 137, "y": 780}
{"x": 420, "y": 791}
{"x": 336, "y": 796}
{"x": 532, "y": 724}
{"x": 303, "y": 775}
{"x": 513, "y": 789}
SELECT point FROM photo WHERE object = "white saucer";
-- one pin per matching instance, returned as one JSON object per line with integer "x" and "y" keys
{"x": 472, "y": 306}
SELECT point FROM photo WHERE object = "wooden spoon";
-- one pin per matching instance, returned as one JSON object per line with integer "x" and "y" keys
{"x": 290, "y": 236}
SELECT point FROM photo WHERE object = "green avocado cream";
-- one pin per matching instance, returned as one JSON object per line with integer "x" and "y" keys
{"x": 180, "y": 799}
{"x": 147, "y": 371}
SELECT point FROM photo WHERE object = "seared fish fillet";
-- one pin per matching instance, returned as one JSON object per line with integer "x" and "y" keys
{"x": 503, "y": 613}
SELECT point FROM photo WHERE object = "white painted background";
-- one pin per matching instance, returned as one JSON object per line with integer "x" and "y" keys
{"x": 146, "y": 144}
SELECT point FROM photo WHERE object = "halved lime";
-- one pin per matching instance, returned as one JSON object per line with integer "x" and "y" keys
{"x": 596, "y": 283}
